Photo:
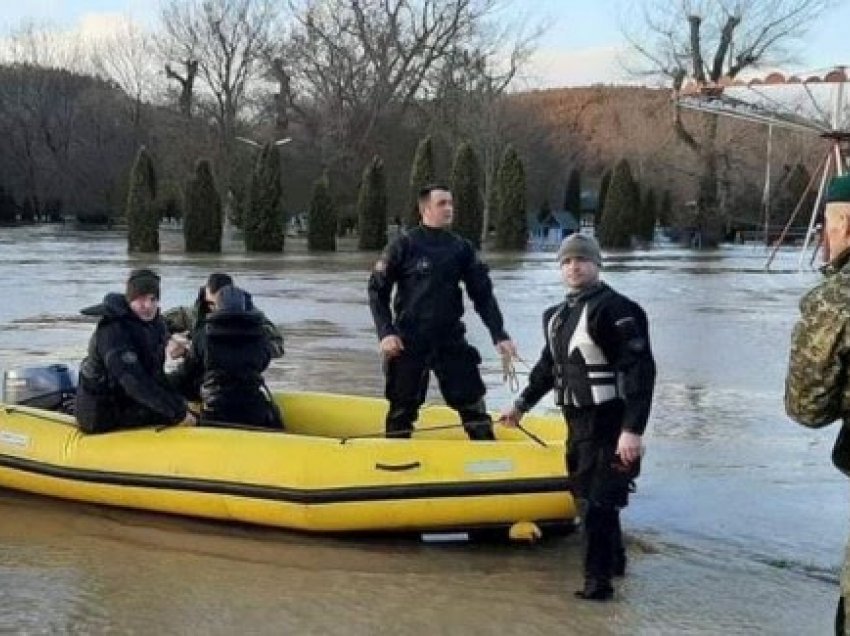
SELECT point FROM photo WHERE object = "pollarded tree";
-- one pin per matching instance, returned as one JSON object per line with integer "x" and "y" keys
{"x": 142, "y": 214}
{"x": 202, "y": 219}
{"x": 620, "y": 207}
{"x": 264, "y": 213}
{"x": 372, "y": 207}
{"x": 466, "y": 191}
{"x": 512, "y": 225}
{"x": 572, "y": 197}
{"x": 422, "y": 173}
{"x": 321, "y": 224}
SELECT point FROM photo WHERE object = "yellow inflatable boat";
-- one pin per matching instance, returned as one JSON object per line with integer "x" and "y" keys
{"x": 332, "y": 471}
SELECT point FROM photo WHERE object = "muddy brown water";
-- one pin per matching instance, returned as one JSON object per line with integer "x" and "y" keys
{"x": 738, "y": 525}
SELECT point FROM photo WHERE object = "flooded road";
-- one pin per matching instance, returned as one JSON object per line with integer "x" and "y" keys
{"x": 738, "y": 525}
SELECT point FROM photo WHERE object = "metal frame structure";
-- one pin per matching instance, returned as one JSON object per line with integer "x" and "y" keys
{"x": 831, "y": 125}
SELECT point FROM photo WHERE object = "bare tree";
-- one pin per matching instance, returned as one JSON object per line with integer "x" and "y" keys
{"x": 711, "y": 42}
{"x": 126, "y": 57}
{"x": 227, "y": 38}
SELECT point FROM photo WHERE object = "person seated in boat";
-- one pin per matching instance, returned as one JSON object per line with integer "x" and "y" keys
{"x": 225, "y": 363}
{"x": 121, "y": 382}
{"x": 185, "y": 322}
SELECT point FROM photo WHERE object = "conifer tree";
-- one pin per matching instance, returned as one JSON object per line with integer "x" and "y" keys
{"x": 466, "y": 192}
{"x": 202, "y": 220}
{"x": 141, "y": 212}
{"x": 372, "y": 207}
{"x": 648, "y": 217}
{"x": 603, "y": 193}
{"x": 572, "y": 198}
{"x": 615, "y": 231}
{"x": 321, "y": 226}
{"x": 264, "y": 220}
{"x": 512, "y": 224}
{"x": 422, "y": 173}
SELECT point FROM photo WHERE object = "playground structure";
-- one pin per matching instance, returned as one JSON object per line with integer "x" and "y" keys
{"x": 811, "y": 103}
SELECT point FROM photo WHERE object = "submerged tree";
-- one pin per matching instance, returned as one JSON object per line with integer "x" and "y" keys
{"x": 202, "y": 220}
{"x": 512, "y": 224}
{"x": 142, "y": 213}
{"x": 264, "y": 214}
{"x": 321, "y": 226}
{"x": 372, "y": 207}
{"x": 466, "y": 191}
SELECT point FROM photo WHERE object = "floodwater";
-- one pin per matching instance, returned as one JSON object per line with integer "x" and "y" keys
{"x": 738, "y": 525}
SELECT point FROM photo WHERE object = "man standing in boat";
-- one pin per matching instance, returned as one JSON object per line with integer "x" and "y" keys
{"x": 598, "y": 360}
{"x": 423, "y": 332}
{"x": 122, "y": 382}
{"x": 817, "y": 387}
{"x": 190, "y": 320}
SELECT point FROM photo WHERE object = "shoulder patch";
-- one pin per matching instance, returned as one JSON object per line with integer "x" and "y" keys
{"x": 129, "y": 357}
{"x": 380, "y": 265}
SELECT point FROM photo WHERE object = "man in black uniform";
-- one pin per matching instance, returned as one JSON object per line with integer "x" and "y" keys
{"x": 225, "y": 364}
{"x": 122, "y": 382}
{"x": 598, "y": 360}
{"x": 424, "y": 331}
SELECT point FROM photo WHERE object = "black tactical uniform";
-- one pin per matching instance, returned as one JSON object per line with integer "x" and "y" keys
{"x": 598, "y": 360}
{"x": 225, "y": 364}
{"x": 122, "y": 383}
{"x": 426, "y": 266}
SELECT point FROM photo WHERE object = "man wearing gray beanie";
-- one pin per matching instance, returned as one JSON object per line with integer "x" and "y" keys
{"x": 598, "y": 361}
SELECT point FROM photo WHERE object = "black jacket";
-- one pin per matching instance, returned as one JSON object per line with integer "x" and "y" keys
{"x": 427, "y": 266}
{"x": 122, "y": 383}
{"x": 224, "y": 369}
{"x": 619, "y": 328}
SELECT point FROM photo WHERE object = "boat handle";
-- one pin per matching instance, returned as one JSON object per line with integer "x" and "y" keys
{"x": 398, "y": 467}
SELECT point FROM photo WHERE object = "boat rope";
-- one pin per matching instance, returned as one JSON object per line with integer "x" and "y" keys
{"x": 509, "y": 372}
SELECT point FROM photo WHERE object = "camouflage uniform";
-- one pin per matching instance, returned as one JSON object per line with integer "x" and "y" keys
{"x": 180, "y": 319}
{"x": 817, "y": 388}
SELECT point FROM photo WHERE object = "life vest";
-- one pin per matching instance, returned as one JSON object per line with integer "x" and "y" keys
{"x": 583, "y": 375}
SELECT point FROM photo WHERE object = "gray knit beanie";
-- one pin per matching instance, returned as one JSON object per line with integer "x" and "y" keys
{"x": 579, "y": 246}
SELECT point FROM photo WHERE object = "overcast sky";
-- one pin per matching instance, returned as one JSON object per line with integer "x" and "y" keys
{"x": 583, "y": 43}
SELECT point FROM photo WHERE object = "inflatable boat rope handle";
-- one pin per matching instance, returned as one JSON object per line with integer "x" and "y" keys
{"x": 398, "y": 467}
{"x": 343, "y": 440}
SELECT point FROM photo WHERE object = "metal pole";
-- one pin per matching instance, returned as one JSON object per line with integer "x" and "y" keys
{"x": 815, "y": 209}
{"x": 765, "y": 197}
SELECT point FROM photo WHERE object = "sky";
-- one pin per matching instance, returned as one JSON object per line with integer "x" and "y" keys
{"x": 582, "y": 43}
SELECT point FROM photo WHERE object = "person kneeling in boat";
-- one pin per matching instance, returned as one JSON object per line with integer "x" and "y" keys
{"x": 190, "y": 320}
{"x": 598, "y": 360}
{"x": 225, "y": 363}
{"x": 122, "y": 383}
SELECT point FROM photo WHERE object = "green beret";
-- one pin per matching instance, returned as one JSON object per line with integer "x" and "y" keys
{"x": 839, "y": 190}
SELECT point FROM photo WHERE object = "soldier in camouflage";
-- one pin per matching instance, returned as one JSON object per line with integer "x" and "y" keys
{"x": 190, "y": 319}
{"x": 817, "y": 387}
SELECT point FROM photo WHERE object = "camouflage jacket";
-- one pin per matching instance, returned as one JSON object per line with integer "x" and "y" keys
{"x": 817, "y": 387}
{"x": 179, "y": 319}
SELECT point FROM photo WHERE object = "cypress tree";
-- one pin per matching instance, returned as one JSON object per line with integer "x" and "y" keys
{"x": 263, "y": 218}
{"x": 372, "y": 207}
{"x": 603, "y": 193}
{"x": 321, "y": 227}
{"x": 512, "y": 225}
{"x": 572, "y": 198}
{"x": 466, "y": 191}
{"x": 202, "y": 220}
{"x": 422, "y": 173}
{"x": 615, "y": 229}
{"x": 665, "y": 214}
{"x": 648, "y": 216}
{"x": 545, "y": 211}
{"x": 142, "y": 215}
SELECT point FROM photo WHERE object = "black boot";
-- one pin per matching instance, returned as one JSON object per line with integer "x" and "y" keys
{"x": 481, "y": 430}
{"x": 596, "y": 589}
